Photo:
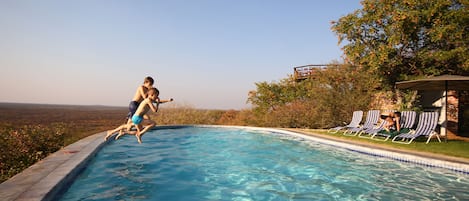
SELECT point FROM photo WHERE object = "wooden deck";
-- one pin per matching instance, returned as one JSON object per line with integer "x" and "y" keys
{"x": 307, "y": 71}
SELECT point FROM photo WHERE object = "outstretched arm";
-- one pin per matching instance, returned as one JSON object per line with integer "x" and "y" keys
{"x": 153, "y": 107}
{"x": 165, "y": 101}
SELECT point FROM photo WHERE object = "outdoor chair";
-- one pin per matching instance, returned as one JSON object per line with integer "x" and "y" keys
{"x": 407, "y": 122}
{"x": 425, "y": 127}
{"x": 372, "y": 118}
{"x": 356, "y": 119}
{"x": 368, "y": 133}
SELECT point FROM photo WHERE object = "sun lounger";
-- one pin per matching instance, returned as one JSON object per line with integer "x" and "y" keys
{"x": 368, "y": 133}
{"x": 356, "y": 119}
{"x": 372, "y": 118}
{"x": 407, "y": 122}
{"x": 425, "y": 127}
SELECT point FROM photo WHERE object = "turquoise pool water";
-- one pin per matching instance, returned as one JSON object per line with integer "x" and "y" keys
{"x": 210, "y": 163}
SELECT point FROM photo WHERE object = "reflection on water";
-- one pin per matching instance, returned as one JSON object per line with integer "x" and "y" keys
{"x": 196, "y": 163}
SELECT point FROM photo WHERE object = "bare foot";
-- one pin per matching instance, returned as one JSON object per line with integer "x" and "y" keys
{"x": 139, "y": 138}
{"x": 109, "y": 133}
{"x": 119, "y": 135}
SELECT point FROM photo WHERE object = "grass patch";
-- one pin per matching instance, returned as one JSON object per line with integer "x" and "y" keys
{"x": 454, "y": 148}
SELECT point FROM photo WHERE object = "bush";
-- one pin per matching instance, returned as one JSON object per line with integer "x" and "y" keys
{"x": 25, "y": 146}
{"x": 325, "y": 99}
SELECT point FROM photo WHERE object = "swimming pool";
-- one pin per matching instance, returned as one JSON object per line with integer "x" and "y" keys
{"x": 218, "y": 163}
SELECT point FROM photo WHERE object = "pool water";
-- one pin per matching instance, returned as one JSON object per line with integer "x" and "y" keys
{"x": 219, "y": 163}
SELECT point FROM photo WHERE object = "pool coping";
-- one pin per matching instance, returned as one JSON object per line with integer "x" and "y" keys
{"x": 47, "y": 178}
{"x": 44, "y": 179}
{"x": 456, "y": 164}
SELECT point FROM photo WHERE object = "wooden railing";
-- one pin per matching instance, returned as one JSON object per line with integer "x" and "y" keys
{"x": 307, "y": 71}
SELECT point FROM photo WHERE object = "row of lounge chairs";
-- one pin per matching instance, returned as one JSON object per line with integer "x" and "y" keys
{"x": 426, "y": 126}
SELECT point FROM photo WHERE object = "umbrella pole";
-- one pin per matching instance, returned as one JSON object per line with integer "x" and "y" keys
{"x": 446, "y": 111}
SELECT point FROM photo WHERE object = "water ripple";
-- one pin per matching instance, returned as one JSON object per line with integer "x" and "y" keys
{"x": 239, "y": 164}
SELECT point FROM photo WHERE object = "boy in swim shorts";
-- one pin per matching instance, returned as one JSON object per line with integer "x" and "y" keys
{"x": 140, "y": 117}
{"x": 140, "y": 95}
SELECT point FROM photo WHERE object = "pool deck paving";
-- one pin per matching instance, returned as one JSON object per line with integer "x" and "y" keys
{"x": 44, "y": 179}
{"x": 47, "y": 178}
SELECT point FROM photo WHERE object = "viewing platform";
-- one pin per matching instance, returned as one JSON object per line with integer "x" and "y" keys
{"x": 307, "y": 71}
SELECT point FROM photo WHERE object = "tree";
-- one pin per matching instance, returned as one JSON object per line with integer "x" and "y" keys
{"x": 343, "y": 89}
{"x": 320, "y": 101}
{"x": 270, "y": 96}
{"x": 400, "y": 39}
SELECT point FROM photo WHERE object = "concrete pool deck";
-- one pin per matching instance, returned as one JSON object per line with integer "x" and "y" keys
{"x": 44, "y": 179}
{"x": 48, "y": 177}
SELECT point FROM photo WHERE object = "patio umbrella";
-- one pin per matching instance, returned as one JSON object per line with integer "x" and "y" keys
{"x": 438, "y": 83}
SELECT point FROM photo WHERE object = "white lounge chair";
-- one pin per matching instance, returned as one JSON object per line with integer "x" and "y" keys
{"x": 356, "y": 119}
{"x": 372, "y": 118}
{"x": 425, "y": 127}
{"x": 407, "y": 122}
{"x": 368, "y": 133}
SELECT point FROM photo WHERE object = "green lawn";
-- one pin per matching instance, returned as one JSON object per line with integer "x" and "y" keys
{"x": 452, "y": 148}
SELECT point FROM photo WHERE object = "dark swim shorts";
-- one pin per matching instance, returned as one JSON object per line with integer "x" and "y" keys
{"x": 133, "y": 108}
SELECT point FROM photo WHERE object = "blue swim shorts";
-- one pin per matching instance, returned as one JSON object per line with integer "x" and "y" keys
{"x": 137, "y": 119}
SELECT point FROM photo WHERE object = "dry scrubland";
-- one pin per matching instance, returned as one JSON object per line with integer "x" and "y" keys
{"x": 30, "y": 132}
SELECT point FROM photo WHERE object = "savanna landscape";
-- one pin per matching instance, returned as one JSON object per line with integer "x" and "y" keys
{"x": 30, "y": 132}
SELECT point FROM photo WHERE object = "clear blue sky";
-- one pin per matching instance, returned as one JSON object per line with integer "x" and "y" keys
{"x": 203, "y": 53}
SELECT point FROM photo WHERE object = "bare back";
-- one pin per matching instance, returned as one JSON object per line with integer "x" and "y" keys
{"x": 140, "y": 94}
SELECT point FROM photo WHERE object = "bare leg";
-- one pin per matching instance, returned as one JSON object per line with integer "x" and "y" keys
{"x": 139, "y": 138}
{"x": 127, "y": 132}
{"x": 140, "y": 134}
{"x": 121, "y": 133}
{"x": 111, "y": 132}
{"x": 137, "y": 135}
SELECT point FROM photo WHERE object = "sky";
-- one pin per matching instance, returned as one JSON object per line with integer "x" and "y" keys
{"x": 205, "y": 54}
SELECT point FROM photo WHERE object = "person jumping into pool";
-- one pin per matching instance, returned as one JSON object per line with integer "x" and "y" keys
{"x": 140, "y": 95}
{"x": 140, "y": 117}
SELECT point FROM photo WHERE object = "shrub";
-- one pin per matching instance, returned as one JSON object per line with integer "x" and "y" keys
{"x": 25, "y": 146}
